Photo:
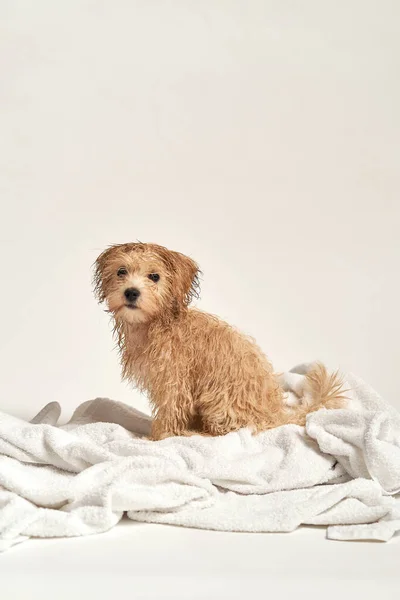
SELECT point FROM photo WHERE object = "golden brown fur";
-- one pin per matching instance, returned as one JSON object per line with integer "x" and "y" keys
{"x": 201, "y": 374}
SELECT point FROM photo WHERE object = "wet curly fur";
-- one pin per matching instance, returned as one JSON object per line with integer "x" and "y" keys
{"x": 201, "y": 374}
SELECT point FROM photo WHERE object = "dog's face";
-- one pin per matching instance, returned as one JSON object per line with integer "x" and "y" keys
{"x": 142, "y": 281}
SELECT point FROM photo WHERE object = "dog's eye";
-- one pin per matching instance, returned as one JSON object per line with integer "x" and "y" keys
{"x": 154, "y": 277}
{"x": 122, "y": 272}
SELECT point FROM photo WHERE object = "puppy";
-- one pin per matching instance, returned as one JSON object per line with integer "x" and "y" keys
{"x": 201, "y": 374}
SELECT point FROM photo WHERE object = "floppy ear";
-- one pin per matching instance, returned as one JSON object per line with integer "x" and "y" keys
{"x": 187, "y": 278}
{"x": 185, "y": 275}
{"x": 99, "y": 273}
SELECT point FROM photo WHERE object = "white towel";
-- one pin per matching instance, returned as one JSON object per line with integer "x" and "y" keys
{"x": 342, "y": 470}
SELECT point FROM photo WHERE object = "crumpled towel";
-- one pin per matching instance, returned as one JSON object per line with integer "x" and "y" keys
{"x": 342, "y": 470}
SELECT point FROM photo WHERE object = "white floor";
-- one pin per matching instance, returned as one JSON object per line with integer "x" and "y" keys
{"x": 154, "y": 561}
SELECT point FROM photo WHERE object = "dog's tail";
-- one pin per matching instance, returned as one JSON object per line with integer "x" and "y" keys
{"x": 321, "y": 390}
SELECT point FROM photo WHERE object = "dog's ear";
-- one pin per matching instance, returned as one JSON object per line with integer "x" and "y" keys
{"x": 187, "y": 278}
{"x": 99, "y": 273}
{"x": 185, "y": 274}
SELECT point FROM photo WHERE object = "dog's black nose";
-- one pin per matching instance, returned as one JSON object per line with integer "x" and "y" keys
{"x": 131, "y": 294}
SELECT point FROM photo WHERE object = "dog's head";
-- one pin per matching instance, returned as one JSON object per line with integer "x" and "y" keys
{"x": 140, "y": 282}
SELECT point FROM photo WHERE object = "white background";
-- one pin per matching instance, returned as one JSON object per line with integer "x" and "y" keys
{"x": 259, "y": 137}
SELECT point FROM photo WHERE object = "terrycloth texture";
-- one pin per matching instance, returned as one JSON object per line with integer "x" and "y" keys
{"x": 79, "y": 479}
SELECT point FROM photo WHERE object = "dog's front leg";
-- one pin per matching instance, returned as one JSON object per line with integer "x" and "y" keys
{"x": 171, "y": 419}
{"x": 160, "y": 429}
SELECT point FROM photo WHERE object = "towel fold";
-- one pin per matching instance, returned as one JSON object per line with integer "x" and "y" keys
{"x": 342, "y": 470}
